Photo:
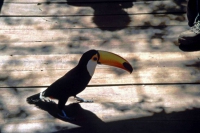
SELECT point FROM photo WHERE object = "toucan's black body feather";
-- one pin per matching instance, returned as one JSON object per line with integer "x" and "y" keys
{"x": 78, "y": 78}
{"x": 72, "y": 83}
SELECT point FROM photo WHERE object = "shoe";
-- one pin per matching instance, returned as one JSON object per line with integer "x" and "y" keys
{"x": 191, "y": 36}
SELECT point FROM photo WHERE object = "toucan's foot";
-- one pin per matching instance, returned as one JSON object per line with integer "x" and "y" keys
{"x": 83, "y": 100}
{"x": 64, "y": 116}
{"x": 45, "y": 99}
{"x": 32, "y": 101}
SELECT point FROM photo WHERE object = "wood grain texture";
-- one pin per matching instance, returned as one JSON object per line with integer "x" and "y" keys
{"x": 149, "y": 68}
{"x": 94, "y": 8}
{"x": 40, "y": 40}
{"x": 62, "y": 35}
{"x": 67, "y": 61}
{"x": 78, "y": 47}
{"x": 111, "y": 104}
{"x": 54, "y": 1}
{"x": 77, "y": 22}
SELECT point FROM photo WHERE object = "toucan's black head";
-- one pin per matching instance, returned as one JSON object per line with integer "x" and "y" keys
{"x": 87, "y": 56}
{"x": 91, "y": 58}
{"x": 88, "y": 61}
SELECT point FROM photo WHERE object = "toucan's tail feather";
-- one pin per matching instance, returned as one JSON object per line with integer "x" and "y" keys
{"x": 33, "y": 99}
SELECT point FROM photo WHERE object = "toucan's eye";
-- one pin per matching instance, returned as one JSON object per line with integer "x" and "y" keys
{"x": 95, "y": 58}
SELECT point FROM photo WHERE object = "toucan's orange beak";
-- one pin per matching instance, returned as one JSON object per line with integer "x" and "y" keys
{"x": 111, "y": 59}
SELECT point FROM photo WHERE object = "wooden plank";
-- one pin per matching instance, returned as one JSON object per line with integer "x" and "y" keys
{"x": 113, "y": 77}
{"x": 55, "y": 1}
{"x": 111, "y": 104}
{"x": 105, "y": 8}
{"x": 108, "y": 95}
{"x": 97, "y": 125}
{"x": 62, "y": 35}
{"x": 77, "y": 47}
{"x": 118, "y": 21}
{"x": 149, "y": 68}
{"x": 67, "y": 61}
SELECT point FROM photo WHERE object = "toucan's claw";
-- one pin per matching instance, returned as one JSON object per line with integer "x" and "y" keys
{"x": 32, "y": 101}
{"x": 45, "y": 99}
{"x": 64, "y": 116}
{"x": 83, "y": 100}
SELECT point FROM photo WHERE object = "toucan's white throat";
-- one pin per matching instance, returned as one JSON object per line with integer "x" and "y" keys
{"x": 91, "y": 65}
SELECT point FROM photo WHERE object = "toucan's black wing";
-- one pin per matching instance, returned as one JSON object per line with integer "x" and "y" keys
{"x": 70, "y": 84}
{"x": 63, "y": 86}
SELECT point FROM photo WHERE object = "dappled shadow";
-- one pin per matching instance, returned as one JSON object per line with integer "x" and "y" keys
{"x": 115, "y": 18}
{"x": 119, "y": 110}
{"x": 81, "y": 117}
{"x": 182, "y": 122}
{"x": 10, "y": 97}
{"x": 82, "y": 29}
{"x": 142, "y": 106}
{"x": 1, "y": 4}
{"x": 177, "y": 122}
{"x": 62, "y": 38}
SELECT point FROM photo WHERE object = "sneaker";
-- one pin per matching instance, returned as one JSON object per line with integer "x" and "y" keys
{"x": 191, "y": 36}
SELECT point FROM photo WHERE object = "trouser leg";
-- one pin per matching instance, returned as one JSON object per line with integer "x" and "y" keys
{"x": 192, "y": 11}
{"x": 198, "y": 11}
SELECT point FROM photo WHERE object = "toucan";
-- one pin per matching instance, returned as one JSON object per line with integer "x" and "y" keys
{"x": 76, "y": 80}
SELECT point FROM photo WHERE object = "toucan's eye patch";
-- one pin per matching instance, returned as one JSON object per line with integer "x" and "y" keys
{"x": 95, "y": 58}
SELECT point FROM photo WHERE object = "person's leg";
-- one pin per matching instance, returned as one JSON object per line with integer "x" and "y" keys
{"x": 198, "y": 12}
{"x": 192, "y": 36}
{"x": 191, "y": 12}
